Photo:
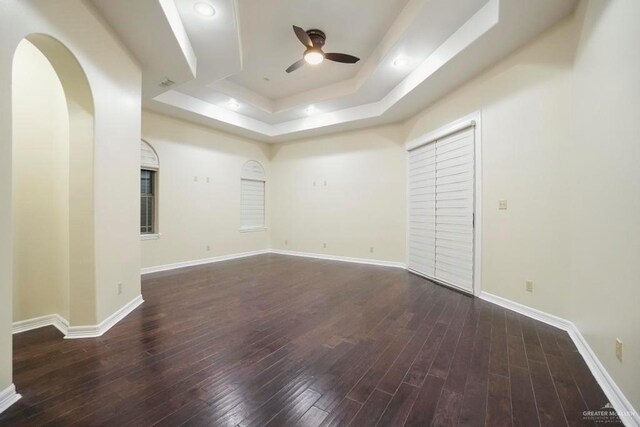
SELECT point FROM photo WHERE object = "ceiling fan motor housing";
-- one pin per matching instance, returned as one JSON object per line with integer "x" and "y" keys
{"x": 317, "y": 37}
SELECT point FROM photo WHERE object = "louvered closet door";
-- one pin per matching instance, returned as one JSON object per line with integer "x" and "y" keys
{"x": 454, "y": 209}
{"x": 422, "y": 210}
{"x": 441, "y": 200}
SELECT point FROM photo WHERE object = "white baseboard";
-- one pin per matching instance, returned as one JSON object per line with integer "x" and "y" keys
{"x": 72, "y": 332}
{"x": 38, "y": 322}
{"x": 341, "y": 258}
{"x": 547, "y": 318}
{"x": 8, "y": 397}
{"x": 92, "y": 331}
{"x": 621, "y": 404}
{"x": 166, "y": 267}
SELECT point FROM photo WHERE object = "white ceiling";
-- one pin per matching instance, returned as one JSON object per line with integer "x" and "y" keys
{"x": 270, "y": 46}
{"x": 228, "y": 56}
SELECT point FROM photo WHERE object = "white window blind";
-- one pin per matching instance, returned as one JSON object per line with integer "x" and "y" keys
{"x": 252, "y": 196}
{"x": 422, "y": 209}
{"x": 441, "y": 203}
{"x": 148, "y": 156}
{"x": 252, "y": 204}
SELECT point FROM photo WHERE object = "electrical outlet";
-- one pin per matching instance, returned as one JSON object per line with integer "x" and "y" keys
{"x": 529, "y": 285}
{"x": 208, "y": 180}
{"x": 195, "y": 179}
{"x": 314, "y": 183}
{"x": 324, "y": 245}
{"x": 286, "y": 242}
{"x": 325, "y": 183}
{"x": 208, "y": 248}
{"x": 119, "y": 288}
{"x": 502, "y": 205}
{"x": 371, "y": 249}
{"x": 619, "y": 349}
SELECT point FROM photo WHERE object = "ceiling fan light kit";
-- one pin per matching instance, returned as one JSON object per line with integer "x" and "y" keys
{"x": 314, "y": 41}
{"x": 313, "y": 56}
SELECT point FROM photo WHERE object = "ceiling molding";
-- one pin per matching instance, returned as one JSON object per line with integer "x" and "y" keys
{"x": 211, "y": 63}
{"x": 473, "y": 29}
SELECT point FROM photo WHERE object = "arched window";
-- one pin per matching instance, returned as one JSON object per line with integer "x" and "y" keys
{"x": 252, "y": 197}
{"x": 149, "y": 167}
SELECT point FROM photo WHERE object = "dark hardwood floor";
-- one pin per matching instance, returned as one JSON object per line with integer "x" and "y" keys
{"x": 279, "y": 341}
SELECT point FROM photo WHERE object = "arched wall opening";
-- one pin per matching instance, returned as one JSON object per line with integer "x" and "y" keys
{"x": 53, "y": 127}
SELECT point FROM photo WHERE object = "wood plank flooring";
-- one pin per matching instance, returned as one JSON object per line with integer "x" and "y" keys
{"x": 273, "y": 340}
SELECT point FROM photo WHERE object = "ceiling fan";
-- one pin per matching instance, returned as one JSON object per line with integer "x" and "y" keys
{"x": 314, "y": 40}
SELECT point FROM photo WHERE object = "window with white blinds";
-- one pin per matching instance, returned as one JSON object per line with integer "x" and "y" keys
{"x": 252, "y": 204}
{"x": 252, "y": 196}
{"x": 441, "y": 208}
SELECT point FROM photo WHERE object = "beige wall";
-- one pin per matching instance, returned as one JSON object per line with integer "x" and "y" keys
{"x": 525, "y": 111}
{"x": 113, "y": 207}
{"x": 560, "y": 126}
{"x": 605, "y": 187}
{"x": 559, "y": 142}
{"x": 195, "y": 214}
{"x": 345, "y": 190}
{"x": 41, "y": 187}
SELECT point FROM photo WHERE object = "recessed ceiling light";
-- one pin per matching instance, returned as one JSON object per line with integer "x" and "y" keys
{"x": 233, "y": 104}
{"x": 204, "y": 9}
{"x": 400, "y": 62}
{"x": 310, "y": 109}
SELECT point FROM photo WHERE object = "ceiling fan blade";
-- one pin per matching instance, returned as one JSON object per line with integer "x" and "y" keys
{"x": 303, "y": 36}
{"x": 341, "y": 57}
{"x": 296, "y": 65}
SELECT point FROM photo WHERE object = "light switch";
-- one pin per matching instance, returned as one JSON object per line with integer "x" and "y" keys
{"x": 502, "y": 205}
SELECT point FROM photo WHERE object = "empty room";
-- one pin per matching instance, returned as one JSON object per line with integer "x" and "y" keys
{"x": 319, "y": 213}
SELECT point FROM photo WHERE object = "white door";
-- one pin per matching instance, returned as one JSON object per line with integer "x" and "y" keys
{"x": 441, "y": 210}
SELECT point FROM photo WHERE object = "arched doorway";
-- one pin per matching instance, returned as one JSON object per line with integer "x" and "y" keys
{"x": 53, "y": 127}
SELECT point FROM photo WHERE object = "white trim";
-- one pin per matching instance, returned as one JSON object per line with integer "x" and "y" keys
{"x": 8, "y": 397}
{"x": 543, "y": 317}
{"x": 471, "y": 120}
{"x": 39, "y": 322}
{"x": 441, "y": 132}
{"x": 152, "y": 236}
{"x": 71, "y": 332}
{"x": 341, "y": 258}
{"x": 92, "y": 331}
{"x": 166, "y": 267}
{"x": 623, "y": 407}
{"x": 252, "y": 229}
{"x": 476, "y": 117}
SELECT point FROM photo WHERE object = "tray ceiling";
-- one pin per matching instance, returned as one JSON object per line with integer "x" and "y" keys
{"x": 227, "y": 71}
